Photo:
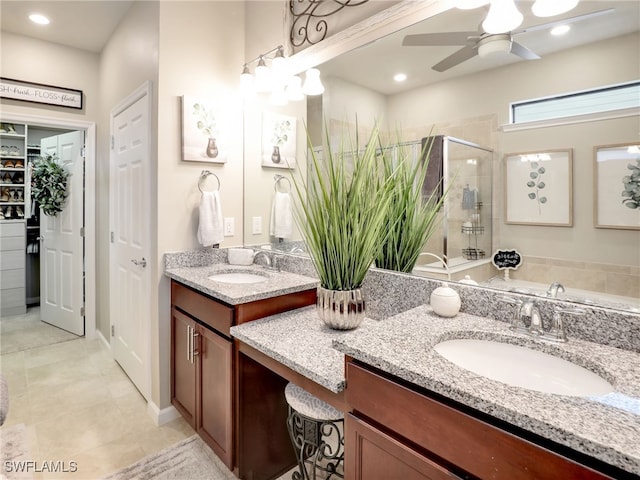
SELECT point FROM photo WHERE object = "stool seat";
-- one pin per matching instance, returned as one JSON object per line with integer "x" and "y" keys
{"x": 310, "y": 405}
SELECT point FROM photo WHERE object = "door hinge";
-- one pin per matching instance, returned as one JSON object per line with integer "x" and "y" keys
{"x": 83, "y": 152}
{"x": 82, "y": 311}
{"x": 113, "y": 142}
{"x": 112, "y": 237}
{"x": 82, "y": 231}
{"x": 113, "y": 330}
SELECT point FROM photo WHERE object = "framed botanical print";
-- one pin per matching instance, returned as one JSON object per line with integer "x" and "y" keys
{"x": 204, "y": 134}
{"x": 538, "y": 188}
{"x": 617, "y": 186}
{"x": 278, "y": 141}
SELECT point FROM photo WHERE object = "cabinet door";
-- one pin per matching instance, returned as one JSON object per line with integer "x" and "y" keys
{"x": 183, "y": 366}
{"x": 373, "y": 455}
{"x": 215, "y": 376}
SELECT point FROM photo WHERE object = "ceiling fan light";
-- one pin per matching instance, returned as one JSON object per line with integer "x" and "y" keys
{"x": 470, "y": 4}
{"x": 503, "y": 17}
{"x": 494, "y": 46}
{"x": 549, "y": 8}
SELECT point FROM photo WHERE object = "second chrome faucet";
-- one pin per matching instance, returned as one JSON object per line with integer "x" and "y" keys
{"x": 528, "y": 320}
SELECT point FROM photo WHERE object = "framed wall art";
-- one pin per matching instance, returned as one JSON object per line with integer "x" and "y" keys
{"x": 40, "y": 93}
{"x": 538, "y": 188}
{"x": 278, "y": 141}
{"x": 204, "y": 135}
{"x": 617, "y": 186}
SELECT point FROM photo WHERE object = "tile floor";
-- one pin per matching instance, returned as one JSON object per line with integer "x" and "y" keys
{"x": 78, "y": 405}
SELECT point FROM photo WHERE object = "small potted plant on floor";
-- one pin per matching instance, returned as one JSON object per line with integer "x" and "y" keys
{"x": 341, "y": 213}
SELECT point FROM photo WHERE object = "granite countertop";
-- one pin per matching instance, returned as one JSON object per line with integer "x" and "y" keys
{"x": 299, "y": 340}
{"x": 278, "y": 283}
{"x": 605, "y": 427}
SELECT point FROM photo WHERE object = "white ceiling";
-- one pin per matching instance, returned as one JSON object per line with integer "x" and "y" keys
{"x": 89, "y": 24}
{"x": 81, "y": 24}
{"x": 374, "y": 65}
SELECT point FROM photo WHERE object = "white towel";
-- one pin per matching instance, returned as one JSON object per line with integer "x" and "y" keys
{"x": 210, "y": 230}
{"x": 281, "y": 217}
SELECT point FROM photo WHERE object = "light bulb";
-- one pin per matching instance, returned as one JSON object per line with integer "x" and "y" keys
{"x": 246, "y": 82}
{"x": 278, "y": 69}
{"x": 470, "y": 4}
{"x": 263, "y": 77}
{"x": 549, "y": 8}
{"x": 503, "y": 17}
{"x": 294, "y": 88}
{"x": 312, "y": 83}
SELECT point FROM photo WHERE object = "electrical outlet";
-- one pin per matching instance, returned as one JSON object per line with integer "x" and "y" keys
{"x": 229, "y": 226}
{"x": 257, "y": 225}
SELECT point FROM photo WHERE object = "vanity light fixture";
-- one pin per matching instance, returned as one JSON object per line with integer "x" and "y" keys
{"x": 503, "y": 17}
{"x": 39, "y": 19}
{"x": 549, "y": 8}
{"x": 276, "y": 80}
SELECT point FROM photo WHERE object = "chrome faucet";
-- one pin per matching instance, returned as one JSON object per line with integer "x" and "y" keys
{"x": 270, "y": 260}
{"x": 534, "y": 326}
{"x": 554, "y": 288}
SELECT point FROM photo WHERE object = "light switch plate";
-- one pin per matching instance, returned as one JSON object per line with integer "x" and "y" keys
{"x": 229, "y": 226}
{"x": 257, "y": 225}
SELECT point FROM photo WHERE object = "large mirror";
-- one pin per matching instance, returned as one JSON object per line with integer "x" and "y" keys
{"x": 471, "y": 101}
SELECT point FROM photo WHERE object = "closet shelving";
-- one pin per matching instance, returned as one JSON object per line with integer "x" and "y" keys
{"x": 13, "y": 172}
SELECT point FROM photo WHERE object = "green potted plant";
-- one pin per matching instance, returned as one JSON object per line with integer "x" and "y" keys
{"x": 411, "y": 217}
{"x": 49, "y": 184}
{"x": 341, "y": 213}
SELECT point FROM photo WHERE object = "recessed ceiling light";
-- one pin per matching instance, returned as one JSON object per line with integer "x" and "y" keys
{"x": 400, "y": 77}
{"x": 39, "y": 19}
{"x": 560, "y": 29}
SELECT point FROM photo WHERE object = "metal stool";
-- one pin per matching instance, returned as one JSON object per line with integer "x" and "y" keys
{"x": 316, "y": 430}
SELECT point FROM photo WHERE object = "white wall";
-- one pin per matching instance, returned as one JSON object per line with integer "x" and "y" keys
{"x": 458, "y": 104}
{"x": 32, "y": 60}
{"x": 201, "y": 52}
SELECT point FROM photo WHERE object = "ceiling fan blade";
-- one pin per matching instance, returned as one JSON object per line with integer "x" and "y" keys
{"x": 522, "y": 51}
{"x": 555, "y": 23}
{"x": 456, "y": 58}
{"x": 437, "y": 39}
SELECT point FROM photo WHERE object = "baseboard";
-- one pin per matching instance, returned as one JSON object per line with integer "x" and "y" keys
{"x": 160, "y": 417}
{"x": 104, "y": 340}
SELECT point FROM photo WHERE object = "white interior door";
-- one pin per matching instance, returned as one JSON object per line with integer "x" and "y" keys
{"x": 130, "y": 241}
{"x": 62, "y": 241}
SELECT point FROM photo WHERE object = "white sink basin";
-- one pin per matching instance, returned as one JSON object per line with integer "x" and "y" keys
{"x": 238, "y": 277}
{"x": 522, "y": 367}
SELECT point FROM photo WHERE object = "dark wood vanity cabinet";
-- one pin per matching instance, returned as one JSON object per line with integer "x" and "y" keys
{"x": 203, "y": 370}
{"x": 396, "y": 431}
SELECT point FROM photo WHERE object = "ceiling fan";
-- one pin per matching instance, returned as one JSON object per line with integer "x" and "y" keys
{"x": 484, "y": 44}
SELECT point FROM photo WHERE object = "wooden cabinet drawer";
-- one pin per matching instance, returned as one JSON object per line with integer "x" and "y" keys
{"x": 12, "y": 260}
{"x": 12, "y": 297}
{"x": 473, "y": 445}
{"x": 206, "y": 310}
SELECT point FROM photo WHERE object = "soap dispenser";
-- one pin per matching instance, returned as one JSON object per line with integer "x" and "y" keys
{"x": 445, "y": 301}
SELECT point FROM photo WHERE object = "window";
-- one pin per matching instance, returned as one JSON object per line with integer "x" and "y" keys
{"x": 604, "y": 99}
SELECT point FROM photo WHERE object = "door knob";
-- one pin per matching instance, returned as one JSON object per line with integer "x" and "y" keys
{"x": 142, "y": 263}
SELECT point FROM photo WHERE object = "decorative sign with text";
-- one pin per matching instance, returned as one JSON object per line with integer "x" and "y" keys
{"x": 39, "y": 93}
{"x": 506, "y": 260}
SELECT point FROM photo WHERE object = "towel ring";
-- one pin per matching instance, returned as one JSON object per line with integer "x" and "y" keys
{"x": 277, "y": 179}
{"x": 203, "y": 178}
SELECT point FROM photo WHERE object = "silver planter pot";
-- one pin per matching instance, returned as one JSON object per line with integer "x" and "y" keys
{"x": 340, "y": 309}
